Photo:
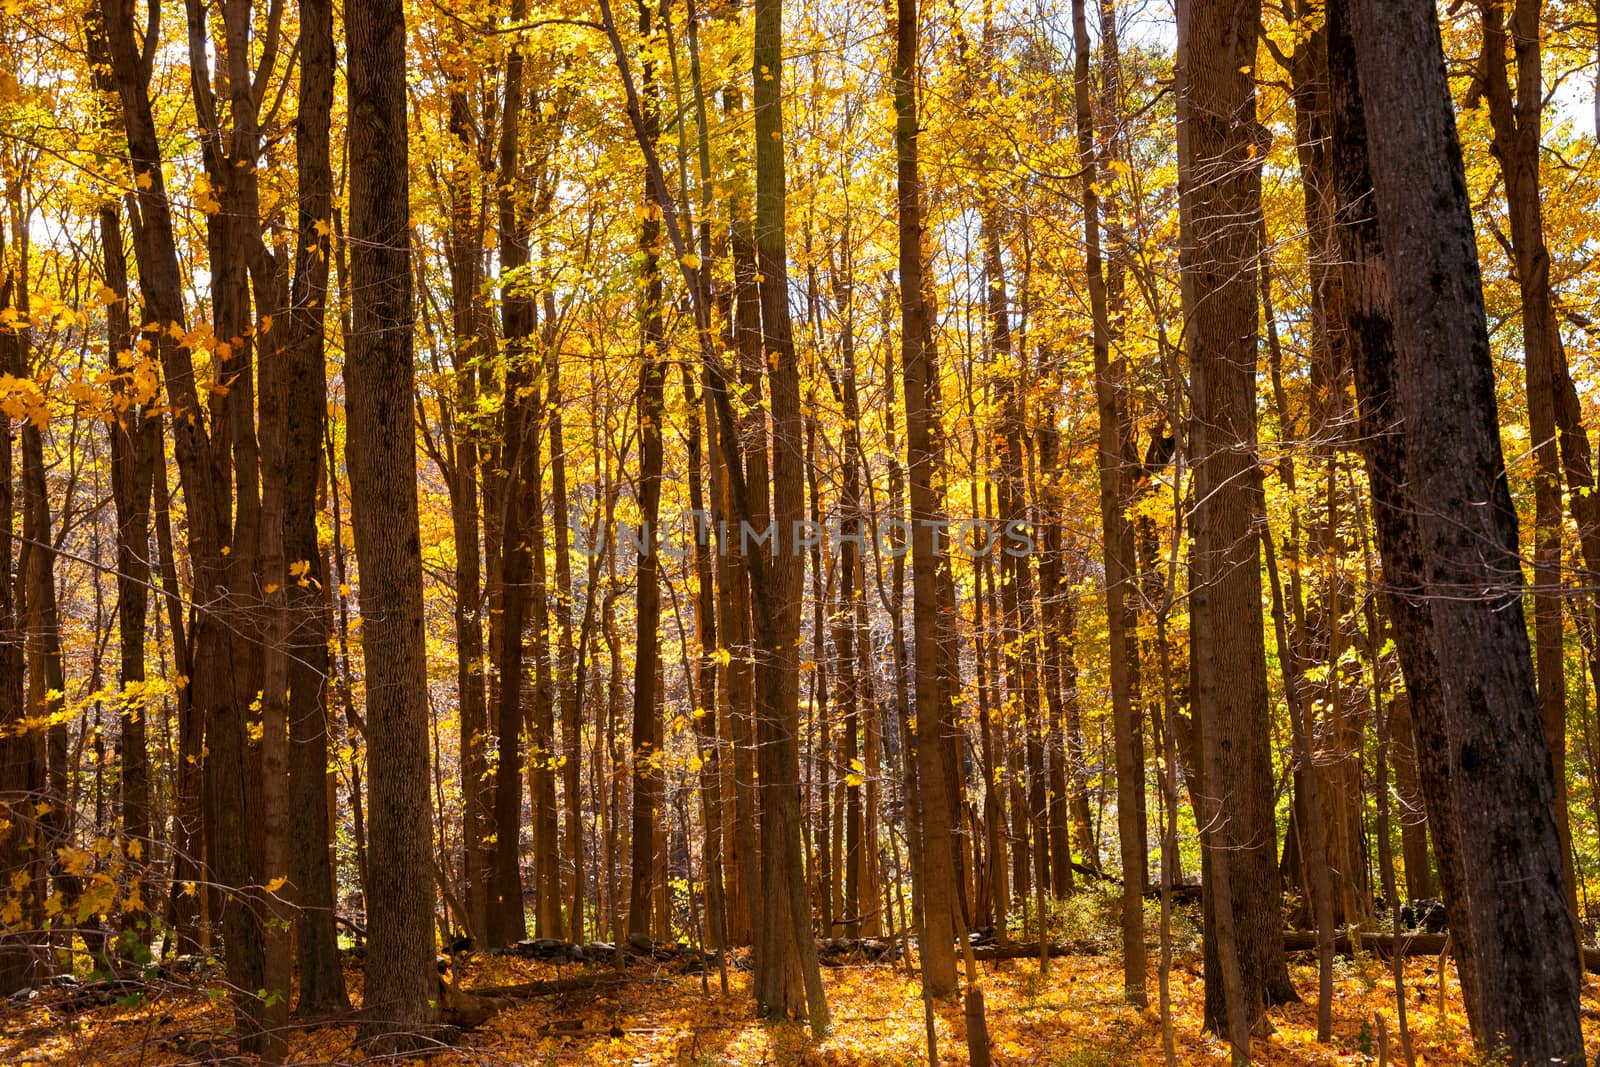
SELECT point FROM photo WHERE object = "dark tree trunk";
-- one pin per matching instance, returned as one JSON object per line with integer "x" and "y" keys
{"x": 401, "y": 983}
{"x": 135, "y": 448}
{"x": 936, "y": 868}
{"x": 1447, "y": 528}
{"x": 305, "y": 413}
{"x": 22, "y": 962}
{"x": 646, "y": 743}
{"x": 506, "y": 920}
{"x": 473, "y": 342}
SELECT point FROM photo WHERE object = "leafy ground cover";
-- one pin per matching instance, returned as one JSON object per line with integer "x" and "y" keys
{"x": 1072, "y": 1017}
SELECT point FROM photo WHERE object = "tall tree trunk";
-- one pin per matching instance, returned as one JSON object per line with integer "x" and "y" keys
{"x": 1120, "y": 563}
{"x": 569, "y": 681}
{"x": 648, "y": 760}
{"x": 211, "y": 690}
{"x": 135, "y": 446}
{"x": 506, "y": 921}
{"x": 470, "y": 321}
{"x": 322, "y": 988}
{"x": 1424, "y": 364}
{"x": 1219, "y": 151}
{"x": 21, "y": 771}
{"x": 787, "y": 978}
{"x": 1555, "y": 427}
{"x": 401, "y": 983}
{"x": 937, "y": 889}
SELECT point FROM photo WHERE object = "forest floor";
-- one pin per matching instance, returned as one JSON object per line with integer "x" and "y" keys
{"x": 1074, "y": 1017}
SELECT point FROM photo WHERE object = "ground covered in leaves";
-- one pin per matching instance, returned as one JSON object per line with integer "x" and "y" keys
{"x": 1074, "y": 1017}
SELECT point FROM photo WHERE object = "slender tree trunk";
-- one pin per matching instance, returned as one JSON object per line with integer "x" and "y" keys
{"x": 1414, "y": 852}
{"x": 322, "y": 988}
{"x": 1315, "y": 847}
{"x": 469, "y": 320}
{"x": 507, "y": 922}
{"x": 135, "y": 445}
{"x": 937, "y": 888}
{"x": 21, "y": 771}
{"x": 787, "y": 977}
{"x": 1120, "y": 563}
{"x": 648, "y": 760}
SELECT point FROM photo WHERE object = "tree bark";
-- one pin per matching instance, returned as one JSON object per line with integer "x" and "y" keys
{"x": 322, "y": 988}
{"x": 1453, "y": 540}
{"x": 401, "y": 982}
{"x": 937, "y": 861}
{"x": 1120, "y": 564}
{"x": 1219, "y": 150}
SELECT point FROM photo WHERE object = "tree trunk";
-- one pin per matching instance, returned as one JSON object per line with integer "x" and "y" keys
{"x": 506, "y": 921}
{"x": 22, "y": 963}
{"x": 1219, "y": 158}
{"x": 322, "y": 988}
{"x": 1485, "y": 767}
{"x": 1120, "y": 564}
{"x": 937, "y": 889}
{"x": 401, "y": 982}
{"x": 787, "y": 979}
{"x": 1517, "y": 124}
{"x": 471, "y": 322}
{"x": 647, "y": 757}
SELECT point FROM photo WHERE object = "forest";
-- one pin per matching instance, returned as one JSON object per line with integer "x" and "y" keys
{"x": 1056, "y": 532}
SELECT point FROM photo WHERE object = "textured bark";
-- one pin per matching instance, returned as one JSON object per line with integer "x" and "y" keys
{"x": 1219, "y": 151}
{"x": 647, "y": 757}
{"x": 380, "y": 452}
{"x": 1111, "y": 402}
{"x": 1485, "y": 767}
{"x": 22, "y": 963}
{"x": 937, "y": 881}
{"x": 1560, "y": 442}
{"x": 506, "y": 921}
{"x": 787, "y": 979}
{"x": 322, "y": 988}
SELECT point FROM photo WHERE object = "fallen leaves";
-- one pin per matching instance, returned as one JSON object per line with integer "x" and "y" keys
{"x": 1072, "y": 1018}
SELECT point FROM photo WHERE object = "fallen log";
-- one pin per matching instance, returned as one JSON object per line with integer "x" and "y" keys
{"x": 1029, "y": 950}
{"x": 469, "y": 1009}
{"x": 549, "y": 987}
{"x": 1383, "y": 945}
